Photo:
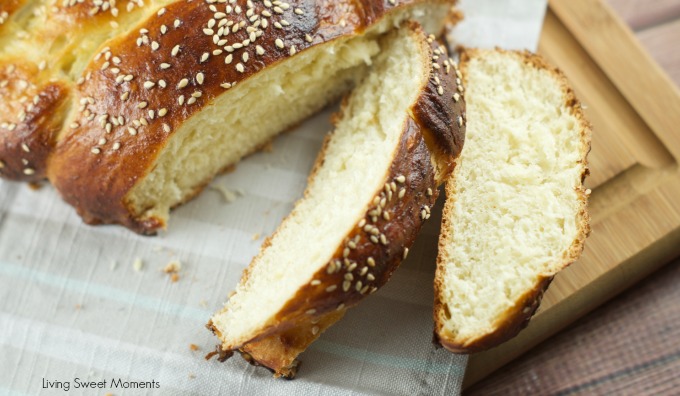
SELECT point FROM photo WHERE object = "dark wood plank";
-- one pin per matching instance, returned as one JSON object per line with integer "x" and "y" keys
{"x": 662, "y": 43}
{"x": 640, "y": 14}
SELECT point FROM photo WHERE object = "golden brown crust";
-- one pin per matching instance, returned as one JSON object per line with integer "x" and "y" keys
{"x": 129, "y": 149}
{"x": 373, "y": 250}
{"x": 31, "y": 115}
{"x": 517, "y": 317}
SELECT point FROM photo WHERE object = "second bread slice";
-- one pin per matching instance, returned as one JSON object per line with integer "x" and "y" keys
{"x": 515, "y": 213}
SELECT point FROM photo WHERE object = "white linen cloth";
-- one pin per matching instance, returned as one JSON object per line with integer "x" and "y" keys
{"x": 72, "y": 305}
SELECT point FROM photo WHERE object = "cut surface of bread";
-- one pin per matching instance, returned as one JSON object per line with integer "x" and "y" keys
{"x": 515, "y": 212}
{"x": 369, "y": 193}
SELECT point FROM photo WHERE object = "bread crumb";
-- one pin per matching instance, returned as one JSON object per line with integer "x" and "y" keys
{"x": 228, "y": 195}
{"x": 174, "y": 278}
{"x": 192, "y": 375}
{"x": 138, "y": 264}
{"x": 194, "y": 347}
{"x": 109, "y": 394}
{"x": 256, "y": 236}
{"x": 173, "y": 267}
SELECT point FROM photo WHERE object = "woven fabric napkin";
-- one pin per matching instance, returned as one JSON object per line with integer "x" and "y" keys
{"x": 81, "y": 303}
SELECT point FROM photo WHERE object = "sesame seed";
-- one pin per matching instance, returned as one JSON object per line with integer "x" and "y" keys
{"x": 102, "y": 141}
{"x": 370, "y": 277}
{"x": 162, "y": 112}
{"x": 359, "y": 285}
{"x": 292, "y": 50}
{"x": 29, "y": 171}
{"x": 371, "y": 262}
{"x": 429, "y": 192}
{"x": 279, "y": 43}
{"x": 346, "y": 285}
{"x": 154, "y": 46}
{"x": 161, "y": 83}
{"x": 182, "y": 83}
{"x": 165, "y": 66}
{"x": 141, "y": 105}
{"x": 116, "y": 146}
{"x": 374, "y": 239}
{"x": 95, "y": 150}
{"x": 24, "y": 147}
{"x": 311, "y": 311}
{"x": 315, "y": 330}
{"x": 340, "y": 307}
{"x": 132, "y": 131}
{"x": 331, "y": 288}
{"x": 402, "y": 192}
{"x": 180, "y": 100}
{"x": 460, "y": 121}
{"x": 205, "y": 56}
{"x": 383, "y": 239}
{"x": 166, "y": 128}
{"x": 362, "y": 223}
{"x": 405, "y": 253}
{"x": 440, "y": 90}
{"x": 363, "y": 271}
{"x": 245, "y": 57}
{"x": 259, "y": 50}
{"x": 228, "y": 59}
{"x": 191, "y": 100}
{"x": 240, "y": 68}
{"x": 175, "y": 50}
{"x": 456, "y": 97}
{"x": 315, "y": 282}
{"x": 149, "y": 84}
{"x": 400, "y": 179}
{"x": 199, "y": 78}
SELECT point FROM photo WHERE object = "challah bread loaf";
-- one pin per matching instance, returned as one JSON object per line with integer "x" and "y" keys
{"x": 370, "y": 192}
{"x": 515, "y": 211}
{"x": 152, "y": 88}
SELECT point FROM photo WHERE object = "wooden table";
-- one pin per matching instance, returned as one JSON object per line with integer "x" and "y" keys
{"x": 631, "y": 345}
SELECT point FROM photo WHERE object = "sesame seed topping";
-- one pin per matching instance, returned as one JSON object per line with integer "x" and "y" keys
{"x": 400, "y": 179}
{"x": 182, "y": 83}
{"x": 383, "y": 239}
{"x": 279, "y": 43}
{"x": 456, "y": 97}
{"x": 149, "y": 84}
{"x": 166, "y": 128}
{"x": 240, "y": 68}
{"x": 165, "y": 66}
{"x": 95, "y": 150}
{"x": 175, "y": 50}
{"x": 405, "y": 253}
{"x": 370, "y": 277}
{"x": 29, "y": 171}
{"x": 315, "y": 330}
{"x": 315, "y": 282}
{"x": 359, "y": 285}
{"x": 346, "y": 285}
{"x": 228, "y": 59}
{"x": 132, "y": 131}
{"x": 142, "y": 105}
{"x": 371, "y": 262}
{"x": 199, "y": 78}
{"x": 331, "y": 288}
{"x": 311, "y": 311}
{"x": 116, "y": 146}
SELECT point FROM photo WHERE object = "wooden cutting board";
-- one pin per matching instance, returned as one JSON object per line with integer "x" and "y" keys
{"x": 635, "y": 205}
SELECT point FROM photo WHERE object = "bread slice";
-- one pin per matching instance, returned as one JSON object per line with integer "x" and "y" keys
{"x": 515, "y": 211}
{"x": 140, "y": 104}
{"x": 370, "y": 192}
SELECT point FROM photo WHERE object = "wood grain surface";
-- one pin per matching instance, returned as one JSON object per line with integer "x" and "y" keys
{"x": 631, "y": 345}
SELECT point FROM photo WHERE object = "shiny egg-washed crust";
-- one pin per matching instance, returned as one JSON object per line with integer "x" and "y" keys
{"x": 514, "y": 319}
{"x": 98, "y": 160}
{"x": 34, "y": 109}
{"x": 373, "y": 250}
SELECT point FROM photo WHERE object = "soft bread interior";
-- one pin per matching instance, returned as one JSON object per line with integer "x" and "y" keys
{"x": 239, "y": 122}
{"x": 513, "y": 202}
{"x": 352, "y": 170}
